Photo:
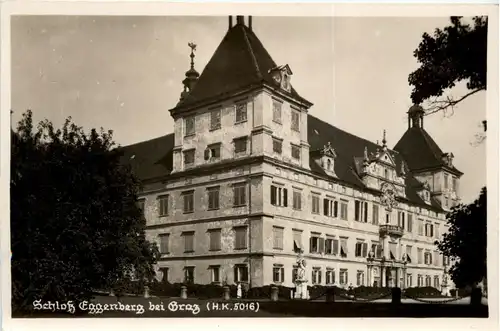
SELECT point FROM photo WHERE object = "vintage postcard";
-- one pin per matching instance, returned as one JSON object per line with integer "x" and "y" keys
{"x": 328, "y": 162}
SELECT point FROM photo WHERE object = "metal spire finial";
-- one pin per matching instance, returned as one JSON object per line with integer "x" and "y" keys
{"x": 193, "y": 49}
{"x": 384, "y": 140}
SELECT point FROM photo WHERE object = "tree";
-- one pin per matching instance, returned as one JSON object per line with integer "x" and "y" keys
{"x": 465, "y": 242}
{"x": 455, "y": 53}
{"x": 75, "y": 223}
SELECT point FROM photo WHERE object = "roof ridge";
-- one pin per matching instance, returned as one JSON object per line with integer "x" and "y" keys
{"x": 146, "y": 141}
{"x": 351, "y": 134}
{"x": 252, "y": 54}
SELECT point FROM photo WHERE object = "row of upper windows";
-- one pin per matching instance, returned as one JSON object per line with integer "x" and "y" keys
{"x": 214, "y": 238}
{"x": 240, "y": 116}
{"x": 240, "y": 146}
{"x": 454, "y": 182}
{"x": 341, "y": 248}
{"x": 279, "y": 198}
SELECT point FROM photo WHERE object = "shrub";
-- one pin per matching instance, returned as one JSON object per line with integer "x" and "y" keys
{"x": 423, "y": 292}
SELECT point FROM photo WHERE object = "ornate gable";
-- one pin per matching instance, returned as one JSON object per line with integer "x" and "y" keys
{"x": 281, "y": 76}
{"x": 326, "y": 159}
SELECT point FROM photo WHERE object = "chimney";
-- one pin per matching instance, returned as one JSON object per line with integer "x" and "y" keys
{"x": 250, "y": 22}
{"x": 230, "y": 22}
{"x": 240, "y": 20}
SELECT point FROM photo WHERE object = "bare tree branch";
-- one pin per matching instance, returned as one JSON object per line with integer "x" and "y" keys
{"x": 448, "y": 104}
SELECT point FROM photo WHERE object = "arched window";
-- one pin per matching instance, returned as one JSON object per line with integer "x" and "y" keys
{"x": 329, "y": 164}
{"x": 386, "y": 173}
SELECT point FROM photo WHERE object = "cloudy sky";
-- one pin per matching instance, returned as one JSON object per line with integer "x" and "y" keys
{"x": 125, "y": 73}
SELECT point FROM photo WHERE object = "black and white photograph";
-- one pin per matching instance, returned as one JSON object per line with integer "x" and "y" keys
{"x": 251, "y": 166}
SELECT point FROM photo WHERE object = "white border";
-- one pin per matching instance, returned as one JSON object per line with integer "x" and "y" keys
{"x": 256, "y": 9}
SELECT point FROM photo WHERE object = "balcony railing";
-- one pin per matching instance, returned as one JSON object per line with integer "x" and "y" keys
{"x": 392, "y": 230}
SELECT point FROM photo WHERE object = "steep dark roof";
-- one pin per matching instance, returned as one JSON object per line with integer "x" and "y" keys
{"x": 153, "y": 158}
{"x": 239, "y": 62}
{"x": 420, "y": 151}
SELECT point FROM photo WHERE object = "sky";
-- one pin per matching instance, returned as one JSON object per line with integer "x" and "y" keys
{"x": 124, "y": 74}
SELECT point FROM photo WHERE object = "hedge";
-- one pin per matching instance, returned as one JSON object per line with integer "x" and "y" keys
{"x": 423, "y": 292}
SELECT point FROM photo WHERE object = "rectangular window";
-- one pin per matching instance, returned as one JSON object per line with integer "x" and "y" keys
{"x": 392, "y": 251}
{"x": 278, "y": 273}
{"x": 215, "y": 119}
{"x": 315, "y": 203}
{"x": 361, "y": 249}
{"x": 188, "y": 242}
{"x": 343, "y": 277}
{"x": 357, "y": 210}
{"x": 164, "y": 274}
{"x": 420, "y": 252}
{"x": 428, "y": 281}
{"x": 455, "y": 184}
{"x": 420, "y": 227}
{"x": 409, "y": 226}
{"x": 377, "y": 249}
{"x": 297, "y": 200}
{"x": 189, "y": 157}
{"x": 436, "y": 230}
{"x": 241, "y": 112}
{"x": 331, "y": 246}
{"x": 330, "y": 276}
{"x": 316, "y": 276}
{"x": 277, "y": 146}
{"x": 420, "y": 281}
{"x": 297, "y": 240}
{"x": 240, "y": 145}
{"x": 365, "y": 212}
{"x": 360, "y": 278}
{"x": 189, "y": 275}
{"x": 295, "y": 152}
{"x": 240, "y": 237}
{"x": 163, "y": 205}
{"x": 279, "y": 196}
{"x": 212, "y": 153}
{"x": 375, "y": 214}
{"x": 239, "y": 194}
{"x": 316, "y": 244}
{"x": 295, "y": 272}
{"x": 215, "y": 271}
{"x": 343, "y": 247}
{"x": 401, "y": 219}
{"x": 164, "y": 243}
{"x": 189, "y": 123}
{"x": 215, "y": 239}
{"x": 277, "y": 111}
{"x": 330, "y": 207}
{"x": 277, "y": 237}
{"x": 343, "y": 210}
{"x": 408, "y": 253}
{"x": 188, "y": 201}
{"x": 241, "y": 273}
{"x": 436, "y": 282}
{"x": 295, "y": 120}
{"x": 213, "y": 197}
{"x": 409, "y": 280}
{"x": 445, "y": 181}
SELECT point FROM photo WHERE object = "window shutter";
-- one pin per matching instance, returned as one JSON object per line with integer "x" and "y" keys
{"x": 310, "y": 244}
{"x": 282, "y": 274}
{"x": 319, "y": 276}
{"x": 325, "y": 207}
{"x": 335, "y": 208}
{"x": 365, "y": 249}
{"x": 379, "y": 250}
{"x": 273, "y": 195}
{"x": 403, "y": 220}
{"x": 285, "y": 197}
{"x": 356, "y": 210}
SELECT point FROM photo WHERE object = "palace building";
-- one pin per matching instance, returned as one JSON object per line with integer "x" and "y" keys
{"x": 249, "y": 179}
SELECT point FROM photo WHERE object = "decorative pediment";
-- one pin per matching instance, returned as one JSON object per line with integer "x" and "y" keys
{"x": 281, "y": 75}
{"x": 386, "y": 157}
{"x": 326, "y": 159}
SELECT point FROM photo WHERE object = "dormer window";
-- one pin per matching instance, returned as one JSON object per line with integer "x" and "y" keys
{"x": 327, "y": 159}
{"x": 281, "y": 75}
{"x": 386, "y": 173}
{"x": 329, "y": 164}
